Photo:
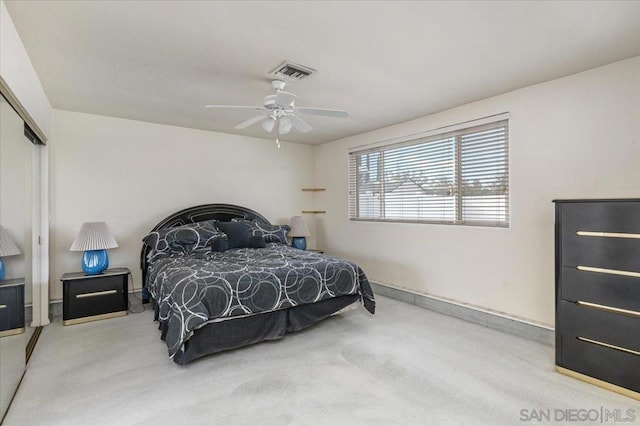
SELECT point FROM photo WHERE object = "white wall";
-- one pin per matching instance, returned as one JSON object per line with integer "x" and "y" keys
{"x": 575, "y": 137}
{"x": 18, "y": 72}
{"x": 132, "y": 174}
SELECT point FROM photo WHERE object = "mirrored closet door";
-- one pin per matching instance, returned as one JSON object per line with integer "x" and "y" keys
{"x": 19, "y": 233}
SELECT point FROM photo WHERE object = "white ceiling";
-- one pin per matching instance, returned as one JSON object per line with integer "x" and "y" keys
{"x": 384, "y": 62}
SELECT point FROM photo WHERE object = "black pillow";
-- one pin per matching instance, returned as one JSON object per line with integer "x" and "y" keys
{"x": 220, "y": 244}
{"x": 257, "y": 241}
{"x": 271, "y": 233}
{"x": 190, "y": 238}
{"x": 237, "y": 233}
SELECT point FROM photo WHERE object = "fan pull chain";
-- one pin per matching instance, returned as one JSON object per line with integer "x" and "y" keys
{"x": 278, "y": 143}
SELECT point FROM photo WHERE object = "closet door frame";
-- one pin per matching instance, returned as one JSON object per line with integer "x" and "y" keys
{"x": 40, "y": 257}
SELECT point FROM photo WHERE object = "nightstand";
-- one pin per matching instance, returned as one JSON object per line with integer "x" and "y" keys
{"x": 11, "y": 306}
{"x": 94, "y": 297}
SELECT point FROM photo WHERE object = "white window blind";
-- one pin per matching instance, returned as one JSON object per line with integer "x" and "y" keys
{"x": 459, "y": 177}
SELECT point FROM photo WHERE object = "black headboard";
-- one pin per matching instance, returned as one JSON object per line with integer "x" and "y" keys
{"x": 221, "y": 212}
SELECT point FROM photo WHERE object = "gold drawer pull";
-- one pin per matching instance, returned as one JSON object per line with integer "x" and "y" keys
{"x": 609, "y": 308}
{"x": 609, "y": 271}
{"x": 3, "y": 306}
{"x": 607, "y": 234}
{"x": 94, "y": 294}
{"x": 607, "y": 345}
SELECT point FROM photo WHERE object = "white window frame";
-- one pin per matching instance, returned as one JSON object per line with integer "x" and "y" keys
{"x": 451, "y": 137}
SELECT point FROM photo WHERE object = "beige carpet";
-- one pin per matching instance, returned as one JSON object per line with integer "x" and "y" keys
{"x": 403, "y": 366}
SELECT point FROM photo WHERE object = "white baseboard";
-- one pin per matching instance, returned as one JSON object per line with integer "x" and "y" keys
{"x": 520, "y": 327}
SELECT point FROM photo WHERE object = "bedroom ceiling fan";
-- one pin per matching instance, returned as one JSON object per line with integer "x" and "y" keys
{"x": 280, "y": 110}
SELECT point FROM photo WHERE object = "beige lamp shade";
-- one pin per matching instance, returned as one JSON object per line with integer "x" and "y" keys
{"x": 298, "y": 227}
{"x": 94, "y": 236}
{"x": 8, "y": 247}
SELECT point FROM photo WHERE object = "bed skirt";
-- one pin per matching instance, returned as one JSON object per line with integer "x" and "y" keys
{"x": 236, "y": 333}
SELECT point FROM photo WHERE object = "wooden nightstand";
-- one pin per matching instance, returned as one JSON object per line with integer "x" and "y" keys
{"x": 95, "y": 297}
{"x": 11, "y": 306}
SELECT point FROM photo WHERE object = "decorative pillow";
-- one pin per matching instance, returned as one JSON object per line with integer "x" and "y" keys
{"x": 257, "y": 241}
{"x": 271, "y": 233}
{"x": 192, "y": 238}
{"x": 238, "y": 233}
{"x": 276, "y": 233}
{"x": 220, "y": 244}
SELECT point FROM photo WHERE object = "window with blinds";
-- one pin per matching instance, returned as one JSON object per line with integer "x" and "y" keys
{"x": 460, "y": 177}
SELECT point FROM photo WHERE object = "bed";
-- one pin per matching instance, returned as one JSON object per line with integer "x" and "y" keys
{"x": 214, "y": 291}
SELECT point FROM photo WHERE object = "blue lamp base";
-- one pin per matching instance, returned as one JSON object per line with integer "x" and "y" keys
{"x": 2, "y": 270}
{"x": 299, "y": 243}
{"x": 94, "y": 262}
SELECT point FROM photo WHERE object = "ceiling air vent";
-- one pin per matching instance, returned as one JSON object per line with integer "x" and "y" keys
{"x": 292, "y": 71}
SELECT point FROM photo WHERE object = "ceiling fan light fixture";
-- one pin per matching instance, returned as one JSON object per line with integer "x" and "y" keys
{"x": 284, "y": 126}
{"x": 268, "y": 124}
{"x": 280, "y": 109}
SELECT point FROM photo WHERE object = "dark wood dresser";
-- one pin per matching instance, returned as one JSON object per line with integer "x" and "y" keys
{"x": 598, "y": 292}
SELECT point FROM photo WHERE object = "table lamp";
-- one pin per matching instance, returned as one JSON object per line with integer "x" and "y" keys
{"x": 8, "y": 247}
{"x": 94, "y": 239}
{"x": 299, "y": 232}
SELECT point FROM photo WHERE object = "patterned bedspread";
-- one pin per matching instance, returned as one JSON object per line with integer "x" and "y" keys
{"x": 192, "y": 289}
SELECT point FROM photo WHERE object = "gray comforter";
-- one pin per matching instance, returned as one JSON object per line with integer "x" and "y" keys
{"x": 193, "y": 289}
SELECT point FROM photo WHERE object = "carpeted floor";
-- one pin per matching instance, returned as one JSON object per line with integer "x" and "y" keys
{"x": 403, "y": 366}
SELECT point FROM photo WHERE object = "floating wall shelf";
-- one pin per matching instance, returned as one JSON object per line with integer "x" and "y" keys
{"x": 314, "y": 190}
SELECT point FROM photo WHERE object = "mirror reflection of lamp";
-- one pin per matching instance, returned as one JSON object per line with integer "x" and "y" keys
{"x": 299, "y": 232}
{"x": 94, "y": 239}
{"x": 8, "y": 247}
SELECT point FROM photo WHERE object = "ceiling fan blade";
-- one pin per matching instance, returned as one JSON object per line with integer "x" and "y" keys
{"x": 285, "y": 98}
{"x": 250, "y": 121}
{"x": 236, "y": 107}
{"x": 299, "y": 123}
{"x": 326, "y": 112}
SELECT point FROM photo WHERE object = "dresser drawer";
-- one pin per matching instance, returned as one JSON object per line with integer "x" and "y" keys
{"x": 610, "y": 234}
{"x": 604, "y": 289}
{"x": 94, "y": 297}
{"x": 612, "y": 216}
{"x": 11, "y": 307}
{"x": 587, "y": 322}
{"x": 83, "y": 287}
{"x": 601, "y": 252}
{"x": 94, "y": 303}
{"x": 610, "y": 365}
